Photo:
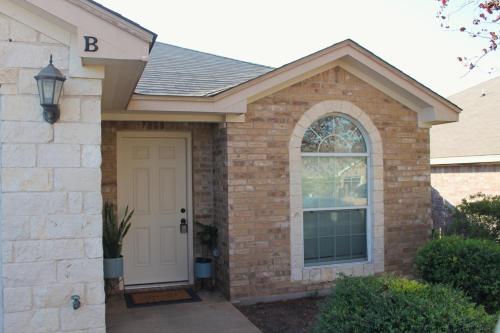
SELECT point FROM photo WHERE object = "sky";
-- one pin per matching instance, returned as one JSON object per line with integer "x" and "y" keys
{"x": 406, "y": 33}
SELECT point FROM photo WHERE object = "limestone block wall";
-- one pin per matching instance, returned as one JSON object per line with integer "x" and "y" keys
{"x": 259, "y": 183}
{"x": 51, "y": 203}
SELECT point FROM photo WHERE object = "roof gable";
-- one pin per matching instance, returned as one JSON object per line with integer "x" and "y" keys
{"x": 431, "y": 107}
{"x": 180, "y": 80}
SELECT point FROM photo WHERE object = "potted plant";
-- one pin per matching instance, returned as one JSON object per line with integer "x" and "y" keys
{"x": 208, "y": 239}
{"x": 112, "y": 240}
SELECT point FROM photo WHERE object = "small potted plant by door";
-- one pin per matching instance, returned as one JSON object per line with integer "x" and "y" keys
{"x": 208, "y": 240}
{"x": 112, "y": 240}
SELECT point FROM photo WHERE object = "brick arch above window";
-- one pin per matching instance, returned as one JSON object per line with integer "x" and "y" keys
{"x": 375, "y": 262}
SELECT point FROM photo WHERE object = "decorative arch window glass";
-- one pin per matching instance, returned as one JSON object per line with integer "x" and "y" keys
{"x": 335, "y": 168}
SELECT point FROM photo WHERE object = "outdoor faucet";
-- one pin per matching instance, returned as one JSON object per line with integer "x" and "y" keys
{"x": 76, "y": 302}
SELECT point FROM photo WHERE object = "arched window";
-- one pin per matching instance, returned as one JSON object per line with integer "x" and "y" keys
{"x": 335, "y": 194}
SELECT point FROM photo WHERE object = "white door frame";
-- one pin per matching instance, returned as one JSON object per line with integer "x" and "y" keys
{"x": 120, "y": 135}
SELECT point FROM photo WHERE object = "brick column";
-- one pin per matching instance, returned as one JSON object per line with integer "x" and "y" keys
{"x": 50, "y": 192}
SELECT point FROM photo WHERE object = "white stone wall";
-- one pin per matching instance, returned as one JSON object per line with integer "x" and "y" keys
{"x": 50, "y": 192}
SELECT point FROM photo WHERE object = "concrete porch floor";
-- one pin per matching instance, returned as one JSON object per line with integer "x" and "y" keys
{"x": 213, "y": 314}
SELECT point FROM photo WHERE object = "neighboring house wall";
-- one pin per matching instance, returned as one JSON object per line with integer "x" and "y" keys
{"x": 456, "y": 182}
{"x": 259, "y": 189}
{"x": 202, "y": 163}
{"x": 465, "y": 154}
{"x": 452, "y": 183}
{"x": 50, "y": 194}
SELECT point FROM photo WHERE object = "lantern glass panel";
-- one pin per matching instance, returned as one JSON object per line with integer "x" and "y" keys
{"x": 47, "y": 96}
{"x": 57, "y": 91}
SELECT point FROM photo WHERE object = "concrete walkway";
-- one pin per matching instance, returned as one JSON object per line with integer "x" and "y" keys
{"x": 212, "y": 315}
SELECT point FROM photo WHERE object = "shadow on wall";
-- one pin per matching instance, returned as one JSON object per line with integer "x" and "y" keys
{"x": 442, "y": 210}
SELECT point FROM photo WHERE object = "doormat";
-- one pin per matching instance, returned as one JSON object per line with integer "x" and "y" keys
{"x": 158, "y": 297}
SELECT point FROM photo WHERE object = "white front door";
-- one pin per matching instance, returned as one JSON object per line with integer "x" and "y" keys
{"x": 152, "y": 180}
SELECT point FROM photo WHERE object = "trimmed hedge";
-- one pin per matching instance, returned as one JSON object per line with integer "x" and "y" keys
{"x": 472, "y": 265}
{"x": 390, "y": 304}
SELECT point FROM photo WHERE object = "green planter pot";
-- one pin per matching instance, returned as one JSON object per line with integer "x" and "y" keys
{"x": 113, "y": 268}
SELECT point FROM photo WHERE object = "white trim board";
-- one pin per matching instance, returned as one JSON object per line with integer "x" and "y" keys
{"x": 172, "y": 117}
{"x": 465, "y": 159}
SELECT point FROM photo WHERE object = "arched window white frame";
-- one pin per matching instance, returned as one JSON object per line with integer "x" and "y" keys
{"x": 375, "y": 262}
{"x": 335, "y": 191}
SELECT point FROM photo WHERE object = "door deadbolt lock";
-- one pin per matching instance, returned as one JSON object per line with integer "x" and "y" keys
{"x": 183, "y": 210}
{"x": 184, "y": 226}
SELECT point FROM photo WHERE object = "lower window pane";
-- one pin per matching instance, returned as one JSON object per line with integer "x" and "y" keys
{"x": 327, "y": 248}
{"x": 359, "y": 246}
{"x": 342, "y": 247}
{"x": 342, "y": 225}
{"x": 311, "y": 250}
{"x": 334, "y": 236}
{"x": 358, "y": 221}
{"x": 310, "y": 226}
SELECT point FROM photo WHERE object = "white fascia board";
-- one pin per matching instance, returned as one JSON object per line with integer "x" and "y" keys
{"x": 126, "y": 115}
{"x": 164, "y": 104}
{"x": 279, "y": 79}
{"x": 465, "y": 159}
{"x": 431, "y": 110}
{"x": 114, "y": 19}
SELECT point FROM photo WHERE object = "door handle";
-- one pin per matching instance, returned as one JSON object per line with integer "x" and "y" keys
{"x": 183, "y": 226}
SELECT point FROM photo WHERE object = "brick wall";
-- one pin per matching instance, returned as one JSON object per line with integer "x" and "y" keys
{"x": 258, "y": 181}
{"x": 455, "y": 182}
{"x": 50, "y": 192}
{"x": 452, "y": 183}
{"x": 221, "y": 208}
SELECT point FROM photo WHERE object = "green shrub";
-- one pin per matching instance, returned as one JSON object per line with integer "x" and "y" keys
{"x": 472, "y": 265}
{"x": 477, "y": 217}
{"x": 389, "y": 304}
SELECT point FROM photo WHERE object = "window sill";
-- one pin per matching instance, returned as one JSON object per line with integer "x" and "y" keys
{"x": 328, "y": 273}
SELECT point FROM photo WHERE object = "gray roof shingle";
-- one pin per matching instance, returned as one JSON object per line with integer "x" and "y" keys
{"x": 477, "y": 131}
{"x": 177, "y": 71}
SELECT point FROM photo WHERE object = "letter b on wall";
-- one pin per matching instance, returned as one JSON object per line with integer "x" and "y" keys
{"x": 90, "y": 44}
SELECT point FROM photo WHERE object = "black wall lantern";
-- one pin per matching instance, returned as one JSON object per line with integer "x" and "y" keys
{"x": 50, "y": 81}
